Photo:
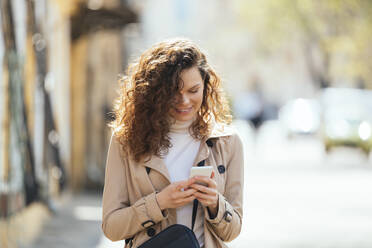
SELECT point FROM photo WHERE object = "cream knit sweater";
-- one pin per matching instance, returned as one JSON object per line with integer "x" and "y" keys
{"x": 179, "y": 161}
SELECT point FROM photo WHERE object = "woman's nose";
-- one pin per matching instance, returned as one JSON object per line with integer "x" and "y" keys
{"x": 182, "y": 99}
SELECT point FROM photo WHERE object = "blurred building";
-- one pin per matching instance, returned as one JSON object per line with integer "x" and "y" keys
{"x": 60, "y": 65}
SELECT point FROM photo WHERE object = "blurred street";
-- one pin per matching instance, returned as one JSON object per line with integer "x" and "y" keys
{"x": 295, "y": 196}
{"x": 298, "y": 72}
{"x": 76, "y": 223}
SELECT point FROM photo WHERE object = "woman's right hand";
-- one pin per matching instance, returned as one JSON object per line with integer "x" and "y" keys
{"x": 176, "y": 194}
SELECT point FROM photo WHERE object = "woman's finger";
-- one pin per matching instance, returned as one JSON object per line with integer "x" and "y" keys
{"x": 210, "y": 182}
{"x": 205, "y": 202}
{"x": 184, "y": 194}
{"x": 205, "y": 196}
{"x": 203, "y": 189}
{"x": 184, "y": 184}
{"x": 212, "y": 176}
{"x": 187, "y": 200}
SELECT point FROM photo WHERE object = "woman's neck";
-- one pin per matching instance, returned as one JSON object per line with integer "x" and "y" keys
{"x": 180, "y": 126}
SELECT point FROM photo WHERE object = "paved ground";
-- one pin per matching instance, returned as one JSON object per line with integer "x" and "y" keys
{"x": 295, "y": 197}
{"x": 76, "y": 224}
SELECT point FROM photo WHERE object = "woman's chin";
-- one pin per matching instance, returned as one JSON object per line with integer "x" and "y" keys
{"x": 183, "y": 117}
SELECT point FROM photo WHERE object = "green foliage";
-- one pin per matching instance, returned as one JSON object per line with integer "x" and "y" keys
{"x": 340, "y": 30}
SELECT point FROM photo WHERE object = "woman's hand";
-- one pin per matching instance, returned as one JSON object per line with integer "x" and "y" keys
{"x": 176, "y": 194}
{"x": 207, "y": 195}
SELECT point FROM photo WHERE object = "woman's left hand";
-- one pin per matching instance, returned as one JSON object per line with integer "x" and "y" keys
{"x": 207, "y": 195}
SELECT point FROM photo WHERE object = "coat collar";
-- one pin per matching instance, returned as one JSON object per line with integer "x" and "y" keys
{"x": 221, "y": 130}
{"x": 218, "y": 131}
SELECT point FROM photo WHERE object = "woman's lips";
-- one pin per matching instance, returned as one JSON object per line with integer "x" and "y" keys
{"x": 183, "y": 110}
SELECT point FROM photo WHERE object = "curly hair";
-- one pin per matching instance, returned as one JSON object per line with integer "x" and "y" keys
{"x": 146, "y": 94}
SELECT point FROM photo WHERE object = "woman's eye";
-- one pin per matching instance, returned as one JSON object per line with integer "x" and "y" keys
{"x": 194, "y": 91}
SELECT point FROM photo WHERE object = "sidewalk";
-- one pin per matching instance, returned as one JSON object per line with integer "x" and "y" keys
{"x": 76, "y": 223}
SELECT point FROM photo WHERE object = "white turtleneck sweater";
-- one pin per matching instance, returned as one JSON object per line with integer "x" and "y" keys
{"x": 179, "y": 161}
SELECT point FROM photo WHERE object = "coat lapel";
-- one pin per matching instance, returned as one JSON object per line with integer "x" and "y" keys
{"x": 217, "y": 132}
{"x": 156, "y": 163}
{"x": 202, "y": 154}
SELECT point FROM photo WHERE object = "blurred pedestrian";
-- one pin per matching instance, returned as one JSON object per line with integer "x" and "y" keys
{"x": 172, "y": 115}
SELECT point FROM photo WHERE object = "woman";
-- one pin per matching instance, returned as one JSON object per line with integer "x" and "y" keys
{"x": 172, "y": 115}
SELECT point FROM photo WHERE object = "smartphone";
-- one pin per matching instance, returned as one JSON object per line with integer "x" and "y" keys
{"x": 201, "y": 171}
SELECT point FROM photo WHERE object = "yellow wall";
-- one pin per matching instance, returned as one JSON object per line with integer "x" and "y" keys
{"x": 78, "y": 112}
{"x": 5, "y": 128}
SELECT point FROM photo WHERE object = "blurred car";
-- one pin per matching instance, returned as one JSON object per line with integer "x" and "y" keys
{"x": 347, "y": 118}
{"x": 300, "y": 117}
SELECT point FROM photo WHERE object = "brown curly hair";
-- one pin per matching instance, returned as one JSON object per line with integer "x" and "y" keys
{"x": 142, "y": 122}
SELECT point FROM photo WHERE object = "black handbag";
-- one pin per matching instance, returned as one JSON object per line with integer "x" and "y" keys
{"x": 175, "y": 236}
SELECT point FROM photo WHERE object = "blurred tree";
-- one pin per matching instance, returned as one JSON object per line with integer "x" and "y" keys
{"x": 95, "y": 27}
{"x": 51, "y": 156}
{"x": 334, "y": 34}
{"x": 17, "y": 110}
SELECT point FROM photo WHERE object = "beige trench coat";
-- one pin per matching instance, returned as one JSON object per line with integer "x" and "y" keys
{"x": 129, "y": 205}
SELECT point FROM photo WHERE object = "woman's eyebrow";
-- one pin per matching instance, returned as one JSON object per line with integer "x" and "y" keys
{"x": 196, "y": 85}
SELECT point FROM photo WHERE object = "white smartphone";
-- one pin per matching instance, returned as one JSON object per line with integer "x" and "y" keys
{"x": 201, "y": 171}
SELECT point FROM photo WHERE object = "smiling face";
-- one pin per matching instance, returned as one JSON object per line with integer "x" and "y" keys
{"x": 190, "y": 97}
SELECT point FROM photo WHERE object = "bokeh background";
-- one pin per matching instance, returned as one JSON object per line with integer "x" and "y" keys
{"x": 298, "y": 74}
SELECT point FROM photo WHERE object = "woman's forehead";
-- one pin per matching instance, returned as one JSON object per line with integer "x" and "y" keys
{"x": 190, "y": 78}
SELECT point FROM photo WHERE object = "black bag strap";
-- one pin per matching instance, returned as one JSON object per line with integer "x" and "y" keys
{"x": 129, "y": 242}
{"x": 194, "y": 210}
{"x": 196, "y": 202}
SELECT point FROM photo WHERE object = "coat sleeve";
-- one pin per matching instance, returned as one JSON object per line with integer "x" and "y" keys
{"x": 120, "y": 220}
{"x": 228, "y": 221}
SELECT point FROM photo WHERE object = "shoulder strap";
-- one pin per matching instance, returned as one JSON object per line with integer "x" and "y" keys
{"x": 194, "y": 210}
{"x": 129, "y": 242}
{"x": 195, "y": 204}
